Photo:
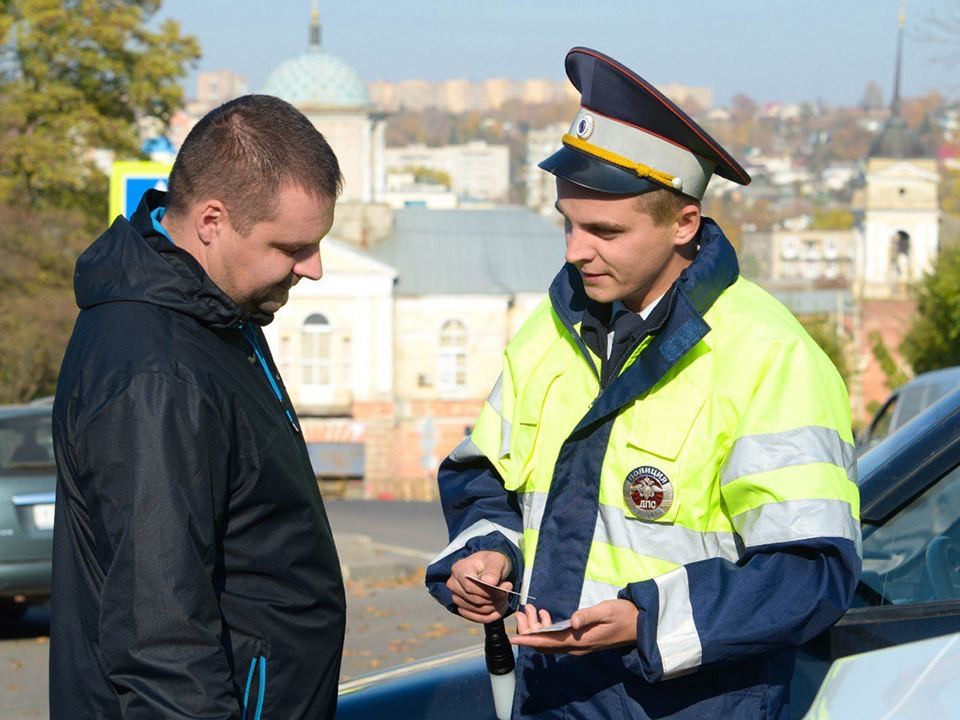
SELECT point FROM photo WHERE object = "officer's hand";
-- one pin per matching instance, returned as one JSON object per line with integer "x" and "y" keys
{"x": 612, "y": 623}
{"x": 474, "y": 601}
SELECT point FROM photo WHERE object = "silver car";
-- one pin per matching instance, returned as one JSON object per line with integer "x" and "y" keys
{"x": 28, "y": 477}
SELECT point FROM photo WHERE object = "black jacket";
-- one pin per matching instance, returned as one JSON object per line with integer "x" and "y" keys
{"x": 193, "y": 562}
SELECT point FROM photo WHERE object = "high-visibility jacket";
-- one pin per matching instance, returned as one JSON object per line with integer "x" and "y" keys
{"x": 712, "y": 483}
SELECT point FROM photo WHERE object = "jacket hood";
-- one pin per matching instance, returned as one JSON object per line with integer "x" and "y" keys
{"x": 132, "y": 262}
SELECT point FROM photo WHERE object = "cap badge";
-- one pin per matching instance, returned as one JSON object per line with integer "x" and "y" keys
{"x": 585, "y": 127}
{"x": 648, "y": 492}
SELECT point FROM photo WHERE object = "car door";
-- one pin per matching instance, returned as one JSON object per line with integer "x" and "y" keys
{"x": 910, "y": 512}
{"x": 27, "y": 485}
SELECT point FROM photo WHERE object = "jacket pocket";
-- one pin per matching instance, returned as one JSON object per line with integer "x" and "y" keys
{"x": 657, "y": 443}
{"x": 525, "y": 438}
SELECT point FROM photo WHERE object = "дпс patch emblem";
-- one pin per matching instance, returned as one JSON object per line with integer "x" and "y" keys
{"x": 648, "y": 493}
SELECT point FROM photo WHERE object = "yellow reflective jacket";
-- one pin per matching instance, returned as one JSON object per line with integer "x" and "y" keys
{"x": 712, "y": 482}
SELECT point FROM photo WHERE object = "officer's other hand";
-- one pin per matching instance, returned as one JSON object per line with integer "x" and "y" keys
{"x": 612, "y": 623}
{"x": 474, "y": 601}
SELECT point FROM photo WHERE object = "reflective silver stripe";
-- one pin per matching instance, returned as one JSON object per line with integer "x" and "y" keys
{"x": 495, "y": 398}
{"x": 596, "y": 592}
{"x": 670, "y": 542}
{"x": 479, "y": 528}
{"x": 505, "y": 430}
{"x": 495, "y": 401}
{"x": 800, "y": 446}
{"x": 533, "y": 504}
{"x": 466, "y": 451}
{"x": 525, "y": 582}
{"x": 677, "y": 637}
{"x": 794, "y": 520}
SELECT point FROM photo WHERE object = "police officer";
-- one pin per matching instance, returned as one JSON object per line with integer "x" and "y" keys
{"x": 666, "y": 463}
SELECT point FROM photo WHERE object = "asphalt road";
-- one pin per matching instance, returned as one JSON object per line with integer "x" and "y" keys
{"x": 416, "y": 526}
{"x": 390, "y": 618}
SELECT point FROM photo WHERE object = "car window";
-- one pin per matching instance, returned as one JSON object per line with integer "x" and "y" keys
{"x": 912, "y": 401}
{"x": 881, "y": 425}
{"x": 26, "y": 443}
{"x": 912, "y": 557}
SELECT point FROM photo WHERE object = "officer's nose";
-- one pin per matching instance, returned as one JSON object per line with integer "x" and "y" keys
{"x": 579, "y": 250}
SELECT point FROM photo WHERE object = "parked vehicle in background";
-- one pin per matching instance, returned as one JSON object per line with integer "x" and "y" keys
{"x": 28, "y": 478}
{"x": 906, "y": 402}
{"x": 910, "y": 591}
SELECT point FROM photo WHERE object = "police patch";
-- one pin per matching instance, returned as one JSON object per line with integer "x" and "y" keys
{"x": 648, "y": 492}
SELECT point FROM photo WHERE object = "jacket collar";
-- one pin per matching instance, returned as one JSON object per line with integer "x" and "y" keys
{"x": 133, "y": 262}
{"x": 713, "y": 270}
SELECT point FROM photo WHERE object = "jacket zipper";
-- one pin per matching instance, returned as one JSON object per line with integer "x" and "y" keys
{"x": 250, "y": 336}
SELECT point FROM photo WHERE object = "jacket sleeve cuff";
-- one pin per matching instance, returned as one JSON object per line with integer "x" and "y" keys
{"x": 668, "y": 644}
{"x": 438, "y": 571}
{"x": 644, "y": 660}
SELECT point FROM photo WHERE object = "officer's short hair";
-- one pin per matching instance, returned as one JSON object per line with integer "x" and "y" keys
{"x": 244, "y": 153}
{"x": 663, "y": 205}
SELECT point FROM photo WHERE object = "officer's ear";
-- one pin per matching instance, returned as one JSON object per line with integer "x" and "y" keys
{"x": 210, "y": 220}
{"x": 688, "y": 224}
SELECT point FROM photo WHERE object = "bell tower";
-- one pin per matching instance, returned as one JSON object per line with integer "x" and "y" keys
{"x": 901, "y": 222}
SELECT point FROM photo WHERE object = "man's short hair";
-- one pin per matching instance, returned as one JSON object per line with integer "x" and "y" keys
{"x": 244, "y": 153}
{"x": 663, "y": 205}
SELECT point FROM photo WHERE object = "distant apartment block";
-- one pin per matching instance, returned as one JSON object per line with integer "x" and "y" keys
{"x": 461, "y": 95}
{"x": 215, "y": 87}
{"x": 686, "y": 96}
{"x": 476, "y": 170}
{"x": 812, "y": 255}
{"x": 541, "y": 186}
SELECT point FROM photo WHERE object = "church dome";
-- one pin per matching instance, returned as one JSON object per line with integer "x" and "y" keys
{"x": 316, "y": 79}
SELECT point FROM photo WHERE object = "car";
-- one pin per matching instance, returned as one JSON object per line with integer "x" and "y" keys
{"x": 906, "y": 402}
{"x": 909, "y": 592}
{"x": 28, "y": 479}
{"x": 919, "y": 680}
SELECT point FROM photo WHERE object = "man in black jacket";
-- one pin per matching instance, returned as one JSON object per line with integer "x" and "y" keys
{"x": 195, "y": 574}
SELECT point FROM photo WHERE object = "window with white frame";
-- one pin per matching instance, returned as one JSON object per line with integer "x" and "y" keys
{"x": 315, "y": 351}
{"x": 453, "y": 356}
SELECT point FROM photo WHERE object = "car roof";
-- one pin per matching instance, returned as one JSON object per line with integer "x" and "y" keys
{"x": 11, "y": 411}
{"x": 909, "y": 460}
{"x": 945, "y": 379}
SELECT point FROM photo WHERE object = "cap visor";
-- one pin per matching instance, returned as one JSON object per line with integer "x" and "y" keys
{"x": 595, "y": 174}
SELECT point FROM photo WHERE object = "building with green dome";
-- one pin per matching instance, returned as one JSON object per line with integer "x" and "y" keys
{"x": 331, "y": 93}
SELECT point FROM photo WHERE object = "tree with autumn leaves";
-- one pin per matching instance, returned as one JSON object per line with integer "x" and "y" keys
{"x": 76, "y": 77}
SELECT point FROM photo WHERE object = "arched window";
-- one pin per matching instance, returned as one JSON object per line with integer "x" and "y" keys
{"x": 315, "y": 351}
{"x": 453, "y": 355}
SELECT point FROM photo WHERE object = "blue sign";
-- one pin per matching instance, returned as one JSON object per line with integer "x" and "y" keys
{"x": 129, "y": 180}
{"x": 135, "y": 187}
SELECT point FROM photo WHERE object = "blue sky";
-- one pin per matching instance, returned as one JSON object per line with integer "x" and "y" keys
{"x": 771, "y": 50}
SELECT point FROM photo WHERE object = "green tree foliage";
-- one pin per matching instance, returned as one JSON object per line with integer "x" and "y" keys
{"x": 894, "y": 374}
{"x": 950, "y": 191}
{"x": 832, "y": 219}
{"x": 823, "y": 329}
{"x": 933, "y": 340}
{"x": 36, "y": 291}
{"x": 429, "y": 176}
{"x": 76, "y": 77}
